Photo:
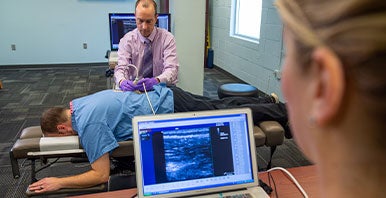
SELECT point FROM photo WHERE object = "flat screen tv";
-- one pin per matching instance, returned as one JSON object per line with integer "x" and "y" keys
{"x": 121, "y": 23}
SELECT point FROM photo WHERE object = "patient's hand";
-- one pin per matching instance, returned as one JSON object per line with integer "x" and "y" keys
{"x": 99, "y": 173}
{"x": 45, "y": 185}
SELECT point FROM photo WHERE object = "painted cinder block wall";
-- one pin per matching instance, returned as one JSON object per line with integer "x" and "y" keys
{"x": 253, "y": 63}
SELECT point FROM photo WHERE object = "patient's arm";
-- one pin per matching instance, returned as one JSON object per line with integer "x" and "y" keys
{"x": 99, "y": 173}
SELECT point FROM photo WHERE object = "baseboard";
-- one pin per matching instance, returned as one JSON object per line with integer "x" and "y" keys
{"x": 53, "y": 65}
{"x": 228, "y": 74}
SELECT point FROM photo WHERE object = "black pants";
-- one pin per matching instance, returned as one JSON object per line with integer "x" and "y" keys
{"x": 263, "y": 108}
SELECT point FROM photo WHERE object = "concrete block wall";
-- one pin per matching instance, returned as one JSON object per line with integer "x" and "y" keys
{"x": 253, "y": 63}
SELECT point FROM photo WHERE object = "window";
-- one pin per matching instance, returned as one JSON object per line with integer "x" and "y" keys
{"x": 246, "y": 19}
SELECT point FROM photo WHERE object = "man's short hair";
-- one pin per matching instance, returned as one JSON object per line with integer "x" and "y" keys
{"x": 51, "y": 118}
{"x": 146, "y": 4}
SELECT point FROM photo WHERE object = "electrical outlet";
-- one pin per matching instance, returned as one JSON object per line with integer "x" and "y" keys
{"x": 84, "y": 45}
{"x": 13, "y": 47}
{"x": 277, "y": 74}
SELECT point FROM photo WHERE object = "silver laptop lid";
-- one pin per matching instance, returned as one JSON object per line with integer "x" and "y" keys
{"x": 186, "y": 154}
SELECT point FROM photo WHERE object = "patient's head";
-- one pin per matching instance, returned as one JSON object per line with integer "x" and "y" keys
{"x": 56, "y": 121}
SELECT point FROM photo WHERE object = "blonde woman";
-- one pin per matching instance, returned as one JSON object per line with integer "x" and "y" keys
{"x": 334, "y": 83}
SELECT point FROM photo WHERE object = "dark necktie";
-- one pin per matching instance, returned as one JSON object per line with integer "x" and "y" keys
{"x": 147, "y": 67}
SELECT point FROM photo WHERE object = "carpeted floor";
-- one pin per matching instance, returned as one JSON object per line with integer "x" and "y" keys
{"x": 28, "y": 90}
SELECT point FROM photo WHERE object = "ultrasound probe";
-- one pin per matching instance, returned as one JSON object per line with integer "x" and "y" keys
{"x": 136, "y": 77}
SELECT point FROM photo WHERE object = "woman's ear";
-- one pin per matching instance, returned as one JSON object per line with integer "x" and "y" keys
{"x": 330, "y": 86}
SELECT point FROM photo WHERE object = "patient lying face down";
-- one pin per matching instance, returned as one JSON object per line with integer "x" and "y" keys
{"x": 103, "y": 119}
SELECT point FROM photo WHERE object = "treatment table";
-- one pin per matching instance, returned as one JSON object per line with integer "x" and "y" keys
{"x": 31, "y": 145}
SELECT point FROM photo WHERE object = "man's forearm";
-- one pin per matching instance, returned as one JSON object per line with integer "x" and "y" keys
{"x": 169, "y": 76}
{"x": 119, "y": 74}
{"x": 99, "y": 173}
{"x": 84, "y": 180}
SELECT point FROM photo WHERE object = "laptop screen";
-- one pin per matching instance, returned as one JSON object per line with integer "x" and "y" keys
{"x": 194, "y": 152}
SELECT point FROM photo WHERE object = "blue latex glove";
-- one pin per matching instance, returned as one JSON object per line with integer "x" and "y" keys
{"x": 149, "y": 83}
{"x": 127, "y": 85}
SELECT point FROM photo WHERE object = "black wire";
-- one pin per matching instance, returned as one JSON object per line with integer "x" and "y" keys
{"x": 47, "y": 165}
{"x": 274, "y": 184}
{"x": 269, "y": 179}
{"x": 265, "y": 187}
{"x": 135, "y": 195}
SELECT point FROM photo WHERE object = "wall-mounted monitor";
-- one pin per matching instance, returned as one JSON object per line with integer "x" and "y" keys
{"x": 121, "y": 23}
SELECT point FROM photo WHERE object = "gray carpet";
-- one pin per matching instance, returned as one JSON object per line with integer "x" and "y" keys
{"x": 28, "y": 90}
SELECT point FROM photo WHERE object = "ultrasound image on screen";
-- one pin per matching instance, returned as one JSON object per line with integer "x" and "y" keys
{"x": 186, "y": 152}
{"x": 120, "y": 27}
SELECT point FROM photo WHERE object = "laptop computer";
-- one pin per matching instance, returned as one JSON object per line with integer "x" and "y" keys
{"x": 196, "y": 154}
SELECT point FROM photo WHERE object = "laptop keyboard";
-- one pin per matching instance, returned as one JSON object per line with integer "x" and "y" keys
{"x": 244, "y": 195}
